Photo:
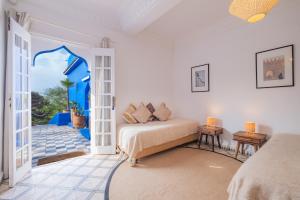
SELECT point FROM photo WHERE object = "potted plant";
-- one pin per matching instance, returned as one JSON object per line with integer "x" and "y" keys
{"x": 78, "y": 118}
{"x": 74, "y": 106}
{"x": 67, "y": 84}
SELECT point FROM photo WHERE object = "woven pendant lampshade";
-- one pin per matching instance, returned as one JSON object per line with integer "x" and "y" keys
{"x": 251, "y": 10}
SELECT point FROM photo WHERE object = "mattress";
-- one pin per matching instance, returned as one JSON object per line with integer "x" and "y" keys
{"x": 273, "y": 173}
{"x": 134, "y": 138}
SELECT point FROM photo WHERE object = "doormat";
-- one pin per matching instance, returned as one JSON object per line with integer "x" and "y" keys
{"x": 60, "y": 157}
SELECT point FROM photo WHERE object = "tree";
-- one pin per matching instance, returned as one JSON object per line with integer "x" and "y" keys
{"x": 67, "y": 84}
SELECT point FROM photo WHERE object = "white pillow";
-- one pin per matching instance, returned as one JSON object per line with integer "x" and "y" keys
{"x": 127, "y": 115}
{"x": 142, "y": 114}
{"x": 163, "y": 113}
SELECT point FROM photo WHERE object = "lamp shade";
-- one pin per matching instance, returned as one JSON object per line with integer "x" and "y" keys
{"x": 211, "y": 121}
{"x": 250, "y": 127}
{"x": 251, "y": 10}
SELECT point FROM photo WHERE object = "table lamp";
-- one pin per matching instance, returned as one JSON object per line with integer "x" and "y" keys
{"x": 211, "y": 121}
{"x": 250, "y": 127}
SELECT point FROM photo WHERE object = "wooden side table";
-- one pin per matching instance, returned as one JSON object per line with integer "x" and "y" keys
{"x": 210, "y": 131}
{"x": 254, "y": 139}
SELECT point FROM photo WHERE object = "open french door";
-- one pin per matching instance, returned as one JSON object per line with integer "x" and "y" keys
{"x": 103, "y": 120}
{"x": 18, "y": 101}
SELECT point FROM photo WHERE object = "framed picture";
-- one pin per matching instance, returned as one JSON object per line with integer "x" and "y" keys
{"x": 275, "y": 68}
{"x": 200, "y": 78}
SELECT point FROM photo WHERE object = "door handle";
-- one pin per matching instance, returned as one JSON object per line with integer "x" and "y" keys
{"x": 113, "y": 103}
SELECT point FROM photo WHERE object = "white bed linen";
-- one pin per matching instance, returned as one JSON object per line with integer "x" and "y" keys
{"x": 133, "y": 138}
{"x": 273, "y": 173}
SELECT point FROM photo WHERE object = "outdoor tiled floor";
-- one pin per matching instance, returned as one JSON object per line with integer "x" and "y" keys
{"x": 81, "y": 178}
{"x": 49, "y": 140}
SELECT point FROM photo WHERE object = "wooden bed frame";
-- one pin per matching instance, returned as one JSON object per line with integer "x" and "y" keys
{"x": 159, "y": 148}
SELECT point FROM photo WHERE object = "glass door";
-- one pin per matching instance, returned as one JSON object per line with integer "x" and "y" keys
{"x": 18, "y": 102}
{"x": 103, "y": 122}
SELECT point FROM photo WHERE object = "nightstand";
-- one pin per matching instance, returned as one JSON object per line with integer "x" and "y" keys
{"x": 254, "y": 139}
{"x": 212, "y": 131}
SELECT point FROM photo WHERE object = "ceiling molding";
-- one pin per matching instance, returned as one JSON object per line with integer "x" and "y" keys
{"x": 141, "y": 13}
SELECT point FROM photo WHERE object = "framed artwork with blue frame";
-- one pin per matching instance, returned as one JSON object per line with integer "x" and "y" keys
{"x": 200, "y": 78}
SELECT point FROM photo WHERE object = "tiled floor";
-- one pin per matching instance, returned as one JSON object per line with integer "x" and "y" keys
{"x": 81, "y": 178}
{"x": 49, "y": 140}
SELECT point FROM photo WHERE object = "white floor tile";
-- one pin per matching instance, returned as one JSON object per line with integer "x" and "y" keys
{"x": 14, "y": 192}
{"x": 34, "y": 194}
{"x": 93, "y": 163}
{"x": 83, "y": 171}
{"x": 35, "y": 179}
{"x": 78, "y": 162}
{"x": 77, "y": 195}
{"x": 67, "y": 170}
{"x": 53, "y": 180}
{"x": 98, "y": 196}
{"x": 100, "y": 172}
{"x": 55, "y": 194}
{"x": 91, "y": 184}
{"x": 108, "y": 163}
{"x": 70, "y": 181}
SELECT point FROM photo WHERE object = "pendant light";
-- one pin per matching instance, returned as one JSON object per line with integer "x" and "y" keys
{"x": 251, "y": 10}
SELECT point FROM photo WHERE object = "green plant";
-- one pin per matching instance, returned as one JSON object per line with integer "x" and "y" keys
{"x": 67, "y": 84}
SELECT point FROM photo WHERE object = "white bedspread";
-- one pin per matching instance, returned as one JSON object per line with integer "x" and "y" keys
{"x": 133, "y": 138}
{"x": 273, "y": 173}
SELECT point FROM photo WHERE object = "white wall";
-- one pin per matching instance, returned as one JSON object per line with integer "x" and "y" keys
{"x": 143, "y": 63}
{"x": 2, "y": 64}
{"x": 230, "y": 49}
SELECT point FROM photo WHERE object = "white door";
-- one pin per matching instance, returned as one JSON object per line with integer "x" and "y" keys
{"x": 103, "y": 120}
{"x": 18, "y": 101}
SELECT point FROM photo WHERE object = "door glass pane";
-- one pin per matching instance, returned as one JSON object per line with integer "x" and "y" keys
{"x": 107, "y": 74}
{"x": 107, "y": 87}
{"x": 19, "y": 121}
{"x": 107, "y": 100}
{"x": 19, "y": 159}
{"x": 25, "y": 48}
{"x": 18, "y": 63}
{"x": 25, "y": 101}
{"x": 98, "y": 113}
{"x": 107, "y": 127}
{"x": 107, "y": 113}
{"x": 18, "y": 43}
{"x": 25, "y": 154}
{"x": 98, "y": 61}
{"x": 98, "y": 75}
{"x": 107, "y": 61}
{"x": 25, "y": 66}
{"x": 18, "y": 102}
{"x": 107, "y": 140}
{"x": 19, "y": 140}
{"x": 98, "y": 127}
{"x": 25, "y": 119}
{"x": 18, "y": 83}
{"x": 98, "y": 140}
{"x": 26, "y": 84}
{"x": 26, "y": 137}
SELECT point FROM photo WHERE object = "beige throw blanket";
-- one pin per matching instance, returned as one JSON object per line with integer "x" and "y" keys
{"x": 133, "y": 138}
{"x": 273, "y": 173}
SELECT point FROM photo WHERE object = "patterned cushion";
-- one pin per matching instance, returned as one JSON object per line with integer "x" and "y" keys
{"x": 142, "y": 114}
{"x": 163, "y": 113}
{"x": 127, "y": 115}
{"x": 152, "y": 110}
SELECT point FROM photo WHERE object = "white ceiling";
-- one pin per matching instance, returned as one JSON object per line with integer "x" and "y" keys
{"x": 190, "y": 15}
{"x": 71, "y": 13}
{"x": 166, "y": 18}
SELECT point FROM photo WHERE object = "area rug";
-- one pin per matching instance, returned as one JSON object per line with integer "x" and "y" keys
{"x": 180, "y": 173}
{"x": 60, "y": 157}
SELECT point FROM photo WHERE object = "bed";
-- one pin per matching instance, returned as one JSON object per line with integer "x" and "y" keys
{"x": 273, "y": 173}
{"x": 141, "y": 140}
